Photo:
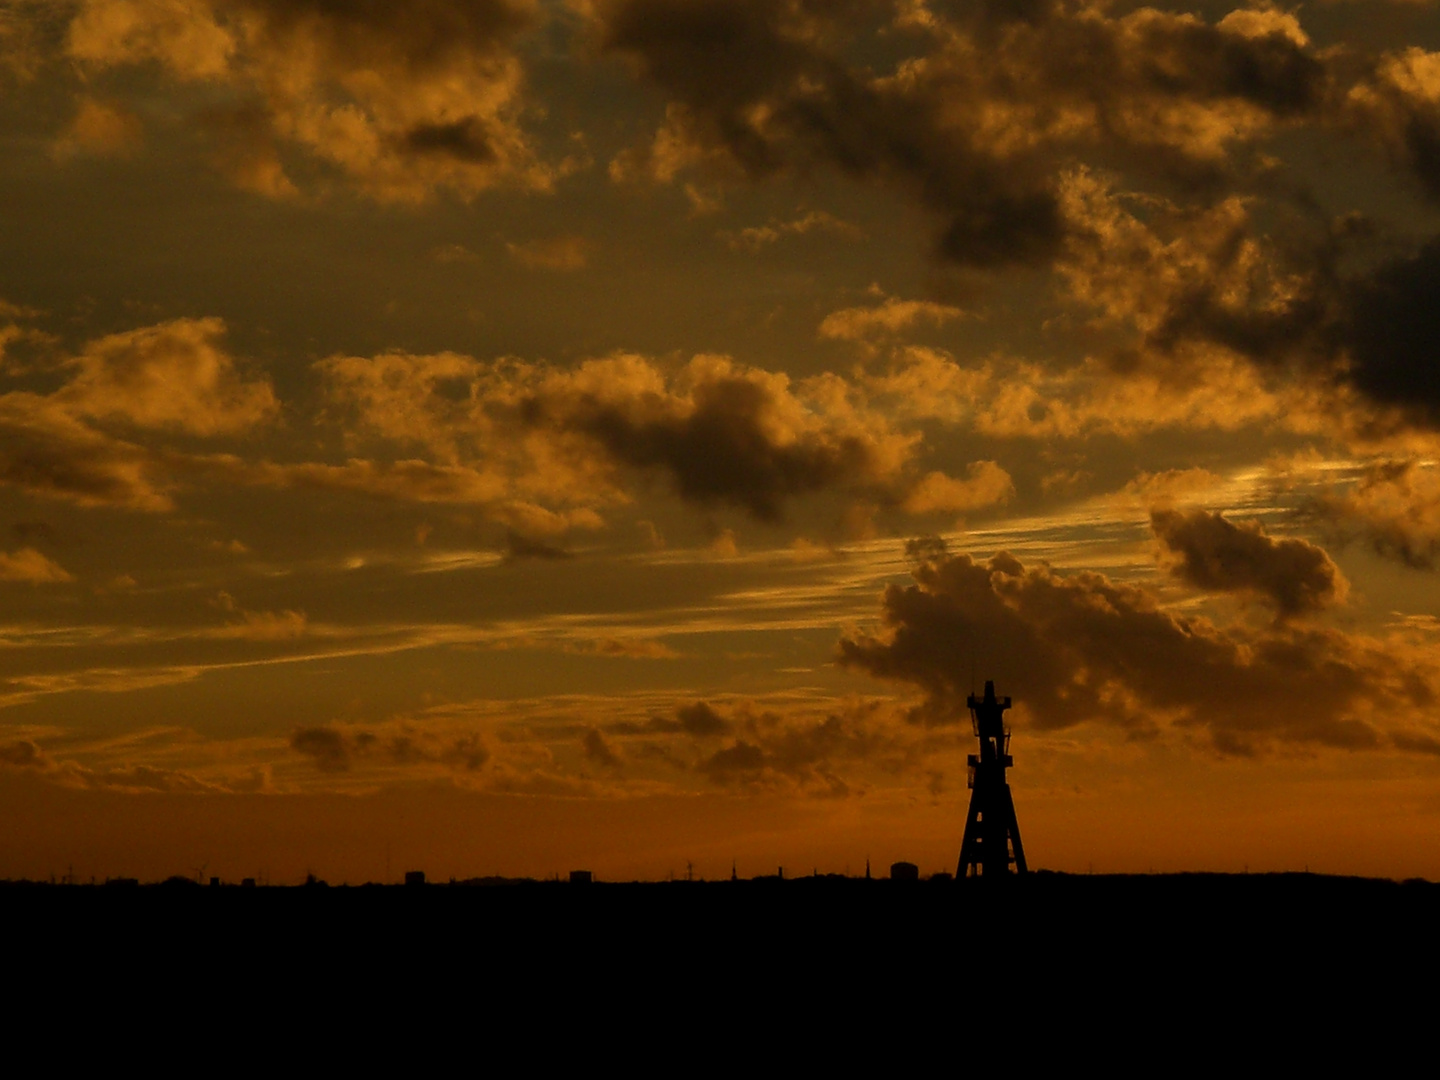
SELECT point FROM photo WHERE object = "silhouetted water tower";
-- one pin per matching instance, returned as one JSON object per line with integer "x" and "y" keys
{"x": 992, "y": 836}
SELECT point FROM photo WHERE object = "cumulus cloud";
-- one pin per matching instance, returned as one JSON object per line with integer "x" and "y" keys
{"x": 329, "y": 748}
{"x": 977, "y": 118}
{"x": 1396, "y": 104}
{"x": 1084, "y": 648}
{"x": 756, "y": 82}
{"x": 701, "y": 719}
{"x": 1394, "y": 506}
{"x": 986, "y": 485}
{"x": 718, "y": 431}
{"x": 738, "y": 436}
{"x": 1393, "y": 332}
{"x": 1212, "y": 312}
{"x": 46, "y": 450}
{"x": 698, "y": 719}
{"x": 775, "y": 751}
{"x": 119, "y": 776}
{"x": 172, "y": 375}
{"x": 1212, "y": 553}
{"x": 401, "y": 99}
{"x": 334, "y": 749}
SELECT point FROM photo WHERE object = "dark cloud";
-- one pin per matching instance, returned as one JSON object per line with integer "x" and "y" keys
{"x": 467, "y": 752}
{"x": 1285, "y": 302}
{"x": 523, "y": 437}
{"x": 403, "y": 98}
{"x": 464, "y": 139}
{"x": 926, "y": 549}
{"x": 22, "y": 754}
{"x": 701, "y": 720}
{"x": 1416, "y": 743}
{"x": 726, "y": 449}
{"x": 981, "y": 120}
{"x": 1393, "y": 333}
{"x": 1217, "y": 555}
{"x": 804, "y": 753}
{"x": 698, "y": 720}
{"x": 739, "y": 760}
{"x": 527, "y": 547}
{"x": 1376, "y": 332}
{"x": 1078, "y": 648}
{"x": 1393, "y": 104}
{"x": 598, "y": 751}
{"x": 46, "y": 451}
{"x": 330, "y": 749}
{"x": 1301, "y": 328}
{"x": 759, "y": 80}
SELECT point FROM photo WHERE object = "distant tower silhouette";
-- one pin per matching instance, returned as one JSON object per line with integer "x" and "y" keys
{"x": 992, "y": 836}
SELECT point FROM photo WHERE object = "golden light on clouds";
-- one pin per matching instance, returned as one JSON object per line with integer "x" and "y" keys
{"x": 643, "y": 420}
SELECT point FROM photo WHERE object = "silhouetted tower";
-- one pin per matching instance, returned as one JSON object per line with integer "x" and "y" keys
{"x": 992, "y": 836}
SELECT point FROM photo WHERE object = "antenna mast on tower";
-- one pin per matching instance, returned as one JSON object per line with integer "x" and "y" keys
{"x": 992, "y": 836}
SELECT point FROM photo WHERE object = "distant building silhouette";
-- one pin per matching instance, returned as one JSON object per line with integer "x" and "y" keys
{"x": 992, "y": 836}
{"x": 247, "y": 883}
{"x": 581, "y": 877}
{"x": 414, "y": 877}
{"x": 904, "y": 871}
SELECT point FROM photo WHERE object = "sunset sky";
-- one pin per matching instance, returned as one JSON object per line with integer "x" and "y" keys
{"x": 506, "y": 436}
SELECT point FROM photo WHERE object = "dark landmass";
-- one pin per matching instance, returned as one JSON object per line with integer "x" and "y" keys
{"x": 630, "y": 963}
{"x": 1043, "y": 912}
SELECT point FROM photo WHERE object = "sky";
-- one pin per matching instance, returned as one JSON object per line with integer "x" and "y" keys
{"x": 511, "y": 436}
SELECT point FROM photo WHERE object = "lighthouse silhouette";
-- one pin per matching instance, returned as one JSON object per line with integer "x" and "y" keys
{"x": 992, "y": 836}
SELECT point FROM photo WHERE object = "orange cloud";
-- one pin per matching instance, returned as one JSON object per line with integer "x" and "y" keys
{"x": 891, "y": 316}
{"x": 31, "y": 566}
{"x": 986, "y": 485}
{"x": 101, "y": 129}
{"x": 402, "y": 102}
{"x": 172, "y": 375}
